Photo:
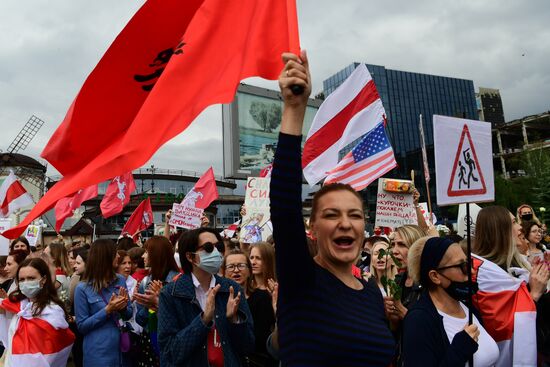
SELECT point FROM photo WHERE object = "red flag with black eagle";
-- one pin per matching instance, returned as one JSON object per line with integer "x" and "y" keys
{"x": 172, "y": 60}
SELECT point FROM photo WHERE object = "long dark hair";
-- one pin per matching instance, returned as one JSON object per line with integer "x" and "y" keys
{"x": 21, "y": 239}
{"x": 47, "y": 293}
{"x": 161, "y": 257}
{"x": 99, "y": 271}
{"x": 188, "y": 242}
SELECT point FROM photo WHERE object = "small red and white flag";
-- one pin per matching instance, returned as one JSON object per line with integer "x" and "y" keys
{"x": 203, "y": 193}
{"x": 117, "y": 195}
{"x": 508, "y": 311}
{"x": 345, "y": 117}
{"x": 43, "y": 341}
{"x": 140, "y": 220}
{"x": 13, "y": 196}
{"x": 65, "y": 207}
{"x": 229, "y": 232}
{"x": 266, "y": 171}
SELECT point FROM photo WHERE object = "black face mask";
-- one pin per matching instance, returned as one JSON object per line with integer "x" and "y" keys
{"x": 527, "y": 216}
{"x": 461, "y": 290}
{"x": 365, "y": 254}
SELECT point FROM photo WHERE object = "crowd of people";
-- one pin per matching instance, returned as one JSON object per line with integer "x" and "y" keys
{"x": 315, "y": 295}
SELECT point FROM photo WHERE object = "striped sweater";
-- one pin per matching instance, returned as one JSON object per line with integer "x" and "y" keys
{"x": 321, "y": 321}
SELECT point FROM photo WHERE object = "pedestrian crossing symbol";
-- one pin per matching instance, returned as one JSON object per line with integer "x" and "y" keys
{"x": 463, "y": 161}
{"x": 466, "y": 177}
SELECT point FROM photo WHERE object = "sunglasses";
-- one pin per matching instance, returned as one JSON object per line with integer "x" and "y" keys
{"x": 463, "y": 266}
{"x": 209, "y": 247}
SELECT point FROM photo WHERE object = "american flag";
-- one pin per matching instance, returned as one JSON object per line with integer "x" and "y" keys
{"x": 367, "y": 161}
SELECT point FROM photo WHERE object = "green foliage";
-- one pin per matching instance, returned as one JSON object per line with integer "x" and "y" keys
{"x": 390, "y": 285}
{"x": 267, "y": 115}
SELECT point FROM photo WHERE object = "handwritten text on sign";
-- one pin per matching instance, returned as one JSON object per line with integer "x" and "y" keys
{"x": 185, "y": 216}
{"x": 394, "y": 210}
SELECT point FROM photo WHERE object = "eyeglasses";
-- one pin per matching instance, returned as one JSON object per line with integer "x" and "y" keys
{"x": 233, "y": 267}
{"x": 463, "y": 267}
{"x": 209, "y": 247}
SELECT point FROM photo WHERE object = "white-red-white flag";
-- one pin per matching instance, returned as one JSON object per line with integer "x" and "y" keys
{"x": 347, "y": 114}
{"x": 508, "y": 311}
{"x": 203, "y": 193}
{"x": 117, "y": 195}
{"x": 65, "y": 207}
{"x": 13, "y": 196}
{"x": 44, "y": 341}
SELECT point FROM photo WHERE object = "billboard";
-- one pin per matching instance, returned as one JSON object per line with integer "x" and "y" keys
{"x": 251, "y": 125}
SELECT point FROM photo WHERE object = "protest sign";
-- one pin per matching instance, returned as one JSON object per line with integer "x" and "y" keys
{"x": 394, "y": 209}
{"x": 468, "y": 178}
{"x": 184, "y": 216}
{"x": 32, "y": 234}
{"x": 5, "y": 224}
{"x": 256, "y": 224}
{"x": 463, "y": 219}
{"x": 426, "y": 213}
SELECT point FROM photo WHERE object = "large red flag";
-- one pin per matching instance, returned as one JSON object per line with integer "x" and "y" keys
{"x": 203, "y": 193}
{"x": 117, "y": 194}
{"x": 140, "y": 219}
{"x": 152, "y": 83}
{"x": 65, "y": 207}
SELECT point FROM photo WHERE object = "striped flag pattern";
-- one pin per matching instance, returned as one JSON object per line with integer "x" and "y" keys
{"x": 13, "y": 196}
{"x": 350, "y": 114}
{"x": 367, "y": 161}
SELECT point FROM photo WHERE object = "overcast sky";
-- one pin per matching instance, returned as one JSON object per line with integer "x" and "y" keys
{"x": 49, "y": 47}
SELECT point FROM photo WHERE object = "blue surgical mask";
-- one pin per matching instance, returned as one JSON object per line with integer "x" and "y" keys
{"x": 30, "y": 288}
{"x": 210, "y": 261}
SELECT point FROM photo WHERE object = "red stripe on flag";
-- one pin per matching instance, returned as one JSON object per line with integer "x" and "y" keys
{"x": 498, "y": 310}
{"x": 372, "y": 175}
{"x": 332, "y": 131}
{"x": 39, "y": 336}
{"x": 14, "y": 191}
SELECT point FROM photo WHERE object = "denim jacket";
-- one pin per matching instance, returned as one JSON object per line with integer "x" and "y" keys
{"x": 183, "y": 335}
{"x": 101, "y": 334}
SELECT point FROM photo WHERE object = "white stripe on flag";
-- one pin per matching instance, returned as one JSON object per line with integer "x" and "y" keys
{"x": 340, "y": 98}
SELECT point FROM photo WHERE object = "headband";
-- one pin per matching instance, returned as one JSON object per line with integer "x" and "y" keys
{"x": 432, "y": 254}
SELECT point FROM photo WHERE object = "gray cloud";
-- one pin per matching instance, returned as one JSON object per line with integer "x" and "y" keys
{"x": 49, "y": 48}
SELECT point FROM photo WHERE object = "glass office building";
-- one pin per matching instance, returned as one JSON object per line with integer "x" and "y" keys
{"x": 406, "y": 95}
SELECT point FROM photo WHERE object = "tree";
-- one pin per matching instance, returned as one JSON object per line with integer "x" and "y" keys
{"x": 267, "y": 115}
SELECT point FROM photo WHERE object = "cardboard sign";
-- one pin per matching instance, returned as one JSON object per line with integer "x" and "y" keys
{"x": 256, "y": 224}
{"x": 463, "y": 219}
{"x": 185, "y": 216}
{"x": 32, "y": 234}
{"x": 5, "y": 224}
{"x": 393, "y": 209}
{"x": 463, "y": 160}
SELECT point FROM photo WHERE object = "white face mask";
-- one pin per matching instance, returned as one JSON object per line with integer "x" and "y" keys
{"x": 30, "y": 288}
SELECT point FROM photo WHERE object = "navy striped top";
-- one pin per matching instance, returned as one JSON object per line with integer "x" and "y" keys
{"x": 321, "y": 321}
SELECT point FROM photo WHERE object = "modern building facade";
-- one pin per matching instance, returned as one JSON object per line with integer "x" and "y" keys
{"x": 406, "y": 96}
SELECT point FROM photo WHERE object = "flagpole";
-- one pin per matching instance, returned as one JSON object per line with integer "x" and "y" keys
{"x": 469, "y": 260}
{"x": 425, "y": 166}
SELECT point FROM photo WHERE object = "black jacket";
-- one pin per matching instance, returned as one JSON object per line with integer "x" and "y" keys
{"x": 425, "y": 342}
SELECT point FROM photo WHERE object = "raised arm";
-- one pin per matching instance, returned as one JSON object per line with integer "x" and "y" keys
{"x": 294, "y": 263}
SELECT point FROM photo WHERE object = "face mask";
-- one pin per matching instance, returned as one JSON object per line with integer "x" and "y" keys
{"x": 365, "y": 254}
{"x": 210, "y": 262}
{"x": 460, "y": 290}
{"x": 30, "y": 288}
{"x": 527, "y": 216}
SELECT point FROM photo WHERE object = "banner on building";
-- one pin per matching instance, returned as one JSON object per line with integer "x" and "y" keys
{"x": 256, "y": 224}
